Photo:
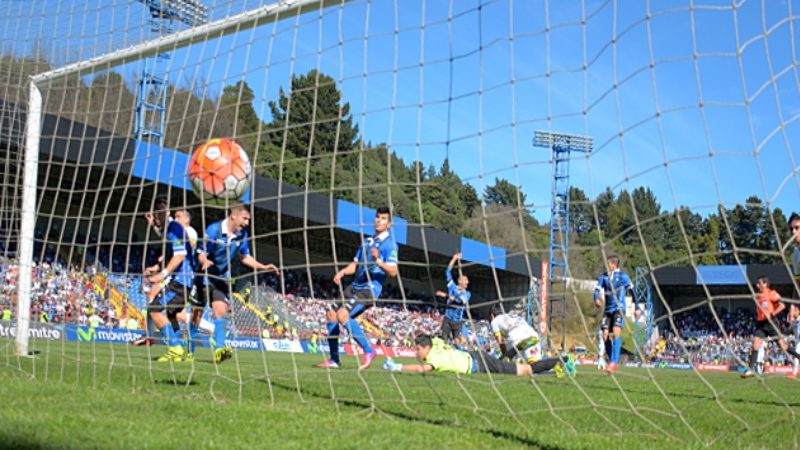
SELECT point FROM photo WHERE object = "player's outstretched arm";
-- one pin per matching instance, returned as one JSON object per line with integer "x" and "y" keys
{"x": 148, "y": 216}
{"x": 454, "y": 259}
{"x": 448, "y": 273}
{"x": 251, "y": 262}
{"x": 392, "y": 366}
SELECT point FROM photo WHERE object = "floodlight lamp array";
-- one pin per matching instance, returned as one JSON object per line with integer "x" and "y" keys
{"x": 563, "y": 140}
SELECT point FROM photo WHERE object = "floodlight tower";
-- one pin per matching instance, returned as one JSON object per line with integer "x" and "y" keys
{"x": 560, "y": 145}
{"x": 151, "y": 92}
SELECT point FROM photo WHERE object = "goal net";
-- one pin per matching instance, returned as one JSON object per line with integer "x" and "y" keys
{"x": 680, "y": 160}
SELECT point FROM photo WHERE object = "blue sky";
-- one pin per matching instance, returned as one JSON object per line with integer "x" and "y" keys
{"x": 712, "y": 121}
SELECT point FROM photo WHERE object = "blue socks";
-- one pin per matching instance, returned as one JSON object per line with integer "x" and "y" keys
{"x": 333, "y": 340}
{"x": 354, "y": 328}
{"x": 151, "y": 327}
{"x": 616, "y": 350}
{"x": 220, "y": 328}
{"x": 193, "y": 332}
{"x": 170, "y": 335}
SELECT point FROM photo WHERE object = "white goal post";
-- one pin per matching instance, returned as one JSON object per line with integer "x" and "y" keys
{"x": 272, "y": 12}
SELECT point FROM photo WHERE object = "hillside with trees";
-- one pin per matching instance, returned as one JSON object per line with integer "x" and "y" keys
{"x": 310, "y": 140}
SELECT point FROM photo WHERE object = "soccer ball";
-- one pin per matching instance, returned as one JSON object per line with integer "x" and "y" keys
{"x": 219, "y": 171}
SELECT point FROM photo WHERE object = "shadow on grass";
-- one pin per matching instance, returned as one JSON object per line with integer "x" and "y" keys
{"x": 427, "y": 420}
{"x": 722, "y": 398}
{"x": 176, "y": 382}
{"x": 15, "y": 442}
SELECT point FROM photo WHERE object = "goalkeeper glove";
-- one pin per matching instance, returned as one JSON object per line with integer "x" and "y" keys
{"x": 392, "y": 366}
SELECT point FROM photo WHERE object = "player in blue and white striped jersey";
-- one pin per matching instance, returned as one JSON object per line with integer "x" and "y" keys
{"x": 224, "y": 241}
{"x": 458, "y": 298}
{"x": 615, "y": 284}
{"x": 174, "y": 281}
{"x": 375, "y": 260}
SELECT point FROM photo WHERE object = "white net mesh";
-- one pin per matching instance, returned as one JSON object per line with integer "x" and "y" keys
{"x": 429, "y": 108}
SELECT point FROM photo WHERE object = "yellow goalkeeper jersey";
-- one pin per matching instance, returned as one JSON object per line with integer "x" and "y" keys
{"x": 444, "y": 358}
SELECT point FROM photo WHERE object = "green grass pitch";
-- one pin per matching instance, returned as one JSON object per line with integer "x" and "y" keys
{"x": 83, "y": 395}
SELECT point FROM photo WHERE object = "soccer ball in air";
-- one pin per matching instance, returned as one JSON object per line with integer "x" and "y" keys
{"x": 220, "y": 171}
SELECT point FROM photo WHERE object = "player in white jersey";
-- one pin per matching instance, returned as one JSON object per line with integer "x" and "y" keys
{"x": 518, "y": 340}
{"x": 515, "y": 336}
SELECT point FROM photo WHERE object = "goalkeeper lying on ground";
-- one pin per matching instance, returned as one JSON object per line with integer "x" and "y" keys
{"x": 436, "y": 355}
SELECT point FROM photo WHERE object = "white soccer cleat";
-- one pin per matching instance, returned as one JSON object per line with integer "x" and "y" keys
{"x": 602, "y": 363}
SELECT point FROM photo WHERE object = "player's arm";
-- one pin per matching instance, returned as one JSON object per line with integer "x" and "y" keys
{"x": 452, "y": 289}
{"x": 392, "y": 366}
{"x": 148, "y": 216}
{"x": 205, "y": 263}
{"x": 251, "y": 262}
{"x": 600, "y": 284}
{"x": 389, "y": 268}
{"x": 178, "y": 256}
{"x": 446, "y": 295}
{"x": 497, "y": 331}
{"x": 637, "y": 312}
{"x": 501, "y": 342}
{"x": 779, "y": 307}
{"x": 386, "y": 259}
{"x": 448, "y": 273}
{"x": 416, "y": 368}
{"x": 248, "y": 261}
{"x": 453, "y": 260}
{"x": 347, "y": 270}
{"x": 204, "y": 250}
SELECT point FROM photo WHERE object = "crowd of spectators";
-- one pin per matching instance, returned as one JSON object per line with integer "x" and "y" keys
{"x": 392, "y": 322}
{"x": 59, "y": 294}
{"x": 700, "y": 338}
